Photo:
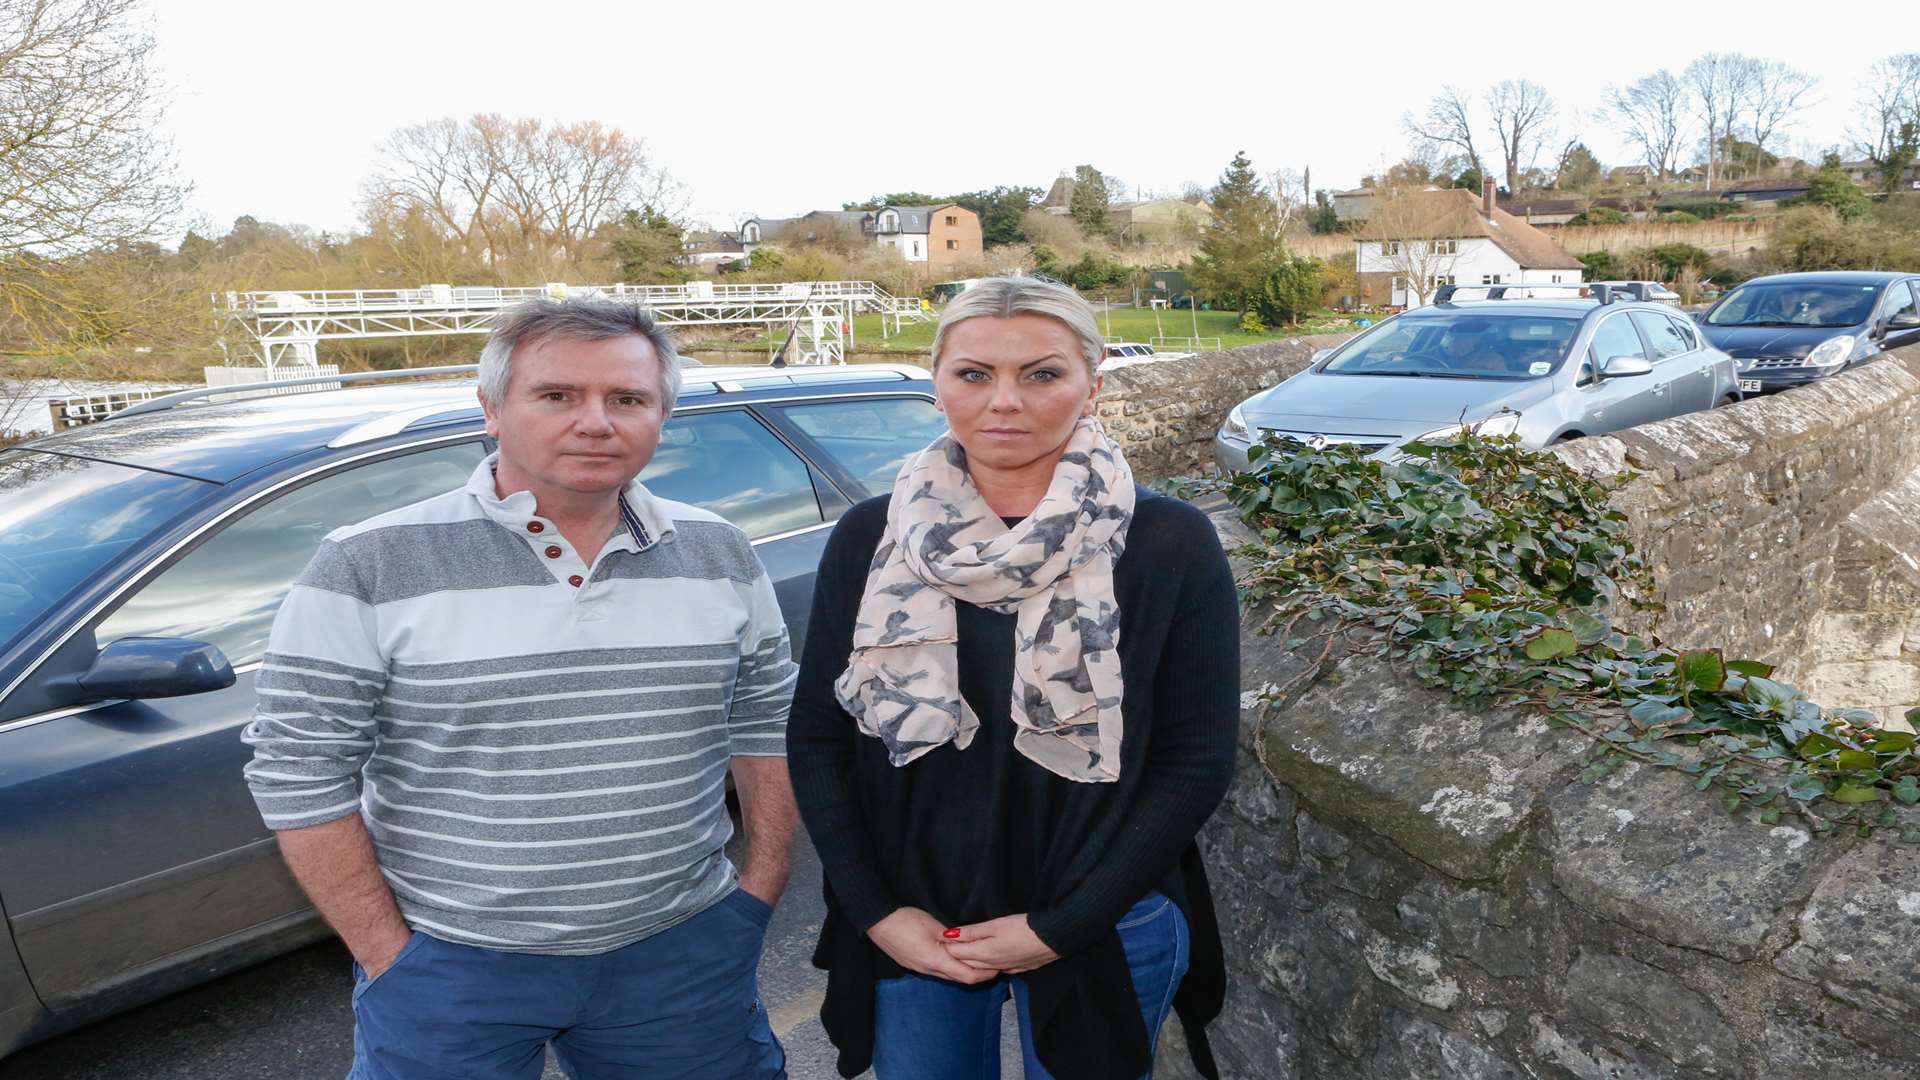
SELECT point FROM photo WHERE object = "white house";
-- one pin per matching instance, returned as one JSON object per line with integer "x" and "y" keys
{"x": 1448, "y": 237}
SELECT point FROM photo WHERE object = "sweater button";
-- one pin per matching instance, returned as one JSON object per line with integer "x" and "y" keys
{"x": 553, "y": 551}
{"x": 534, "y": 526}
{"x": 576, "y": 581}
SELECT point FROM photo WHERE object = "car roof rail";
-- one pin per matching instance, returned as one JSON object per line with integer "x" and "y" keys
{"x": 205, "y": 395}
{"x": 1609, "y": 294}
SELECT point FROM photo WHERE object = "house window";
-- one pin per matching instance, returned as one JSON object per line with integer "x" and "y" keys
{"x": 952, "y": 220}
{"x": 750, "y": 234}
{"x": 1446, "y": 247}
{"x": 1389, "y": 247}
{"x": 953, "y": 245}
{"x": 1399, "y": 284}
{"x": 916, "y": 249}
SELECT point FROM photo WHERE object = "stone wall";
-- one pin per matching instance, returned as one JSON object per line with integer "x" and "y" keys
{"x": 1412, "y": 888}
{"x": 1787, "y": 529}
{"x": 1164, "y": 415}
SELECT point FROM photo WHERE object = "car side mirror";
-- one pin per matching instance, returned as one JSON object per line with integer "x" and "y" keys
{"x": 1906, "y": 320}
{"x": 1619, "y": 366}
{"x": 135, "y": 668}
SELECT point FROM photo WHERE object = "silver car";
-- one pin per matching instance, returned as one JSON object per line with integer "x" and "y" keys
{"x": 1542, "y": 369}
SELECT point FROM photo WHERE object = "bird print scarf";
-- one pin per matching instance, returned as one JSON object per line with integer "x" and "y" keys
{"x": 1053, "y": 572}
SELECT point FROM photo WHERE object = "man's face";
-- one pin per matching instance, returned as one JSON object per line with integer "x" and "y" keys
{"x": 579, "y": 418}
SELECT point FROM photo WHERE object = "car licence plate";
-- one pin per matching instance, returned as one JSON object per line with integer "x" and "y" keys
{"x": 1749, "y": 386}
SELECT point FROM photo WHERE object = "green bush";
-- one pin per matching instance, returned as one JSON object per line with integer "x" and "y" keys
{"x": 1671, "y": 257}
{"x": 1599, "y": 215}
{"x": 1290, "y": 290}
{"x": 1601, "y": 265}
{"x": 1679, "y": 217}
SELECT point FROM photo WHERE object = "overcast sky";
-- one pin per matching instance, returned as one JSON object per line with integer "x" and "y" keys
{"x": 278, "y": 110}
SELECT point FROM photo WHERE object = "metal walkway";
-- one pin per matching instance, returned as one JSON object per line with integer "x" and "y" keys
{"x": 286, "y": 327}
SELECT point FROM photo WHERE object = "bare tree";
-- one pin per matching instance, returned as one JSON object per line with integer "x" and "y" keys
{"x": 1448, "y": 123}
{"x": 1418, "y": 236}
{"x": 1653, "y": 109}
{"x": 1720, "y": 85}
{"x": 518, "y": 188}
{"x": 1291, "y": 199}
{"x": 1889, "y": 134}
{"x": 1776, "y": 94}
{"x": 1522, "y": 119}
{"x": 80, "y": 165}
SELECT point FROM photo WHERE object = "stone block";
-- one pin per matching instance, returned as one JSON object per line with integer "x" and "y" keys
{"x": 1653, "y": 1010}
{"x": 1586, "y": 1058}
{"x": 1859, "y": 934}
{"x": 1413, "y": 1047}
{"x": 1447, "y": 783}
{"x": 1644, "y": 850}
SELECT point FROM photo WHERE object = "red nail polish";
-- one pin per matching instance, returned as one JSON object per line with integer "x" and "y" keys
{"x": 951, "y": 933}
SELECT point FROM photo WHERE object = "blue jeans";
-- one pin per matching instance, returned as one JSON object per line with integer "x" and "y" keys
{"x": 682, "y": 1004}
{"x": 931, "y": 1029}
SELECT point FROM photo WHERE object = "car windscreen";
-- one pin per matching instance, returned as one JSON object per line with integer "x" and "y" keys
{"x": 1796, "y": 303}
{"x": 1460, "y": 345}
{"x": 62, "y": 519}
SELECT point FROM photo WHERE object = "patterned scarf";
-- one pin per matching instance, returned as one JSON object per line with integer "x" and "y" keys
{"x": 1053, "y": 572}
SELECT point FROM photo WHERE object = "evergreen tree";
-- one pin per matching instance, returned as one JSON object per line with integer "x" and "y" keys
{"x": 647, "y": 244}
{"x": 1241, "y": 246}
{"x": 1089, "y": 205}
{"x": 1833, "y": 188}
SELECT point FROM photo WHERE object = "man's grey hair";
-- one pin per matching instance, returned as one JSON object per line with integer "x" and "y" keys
{"x": 1005, "y": 297}
{"x": 587, "y": 318}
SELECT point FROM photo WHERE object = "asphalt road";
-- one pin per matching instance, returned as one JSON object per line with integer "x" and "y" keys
{"x": 290, "y": 1018}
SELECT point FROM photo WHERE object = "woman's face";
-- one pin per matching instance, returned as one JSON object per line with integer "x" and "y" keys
{"x": 1012, "y": 389}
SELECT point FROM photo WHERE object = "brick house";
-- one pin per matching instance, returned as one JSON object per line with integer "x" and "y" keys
{"x": 936, "y": 235}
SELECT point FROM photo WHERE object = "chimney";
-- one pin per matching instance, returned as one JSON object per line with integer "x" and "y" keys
{"x": 1486, "y": 197}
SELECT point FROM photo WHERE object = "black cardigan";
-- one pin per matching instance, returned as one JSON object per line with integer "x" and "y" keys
{"x": 981, "y": 833}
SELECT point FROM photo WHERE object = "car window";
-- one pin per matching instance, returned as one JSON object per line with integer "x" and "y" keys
{"x": 1795, "y": 303}
{"x": 1614, "y": 337}
{"x": 226, "y": 590}
{"x": 1900, "y": 301}
{"x": 1461, "y": 345}
{"x": 1686, "y": 331}
{"x": 63, "y": 519}
{"x": 1666, "y": 339}
{"x": 729, "y": 463}
{"x": 870, "y": 437}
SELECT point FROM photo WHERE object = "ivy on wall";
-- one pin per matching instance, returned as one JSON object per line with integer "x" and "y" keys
{"x": 1493, "y": 572}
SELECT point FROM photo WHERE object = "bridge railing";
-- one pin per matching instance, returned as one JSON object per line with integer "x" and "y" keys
{"x": 444, "y": 297}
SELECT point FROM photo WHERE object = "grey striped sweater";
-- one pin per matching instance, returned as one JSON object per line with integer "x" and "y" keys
{"x": 541, "y": 764}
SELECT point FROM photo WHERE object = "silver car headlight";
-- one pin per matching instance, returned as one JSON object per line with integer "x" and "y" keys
{"x": 1835, "y": 350}
{"x": 1505, "y": 423}
{"x": 1236, "y": 425}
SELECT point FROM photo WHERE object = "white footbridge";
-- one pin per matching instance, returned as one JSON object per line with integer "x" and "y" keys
{"x": 285, "y": 327}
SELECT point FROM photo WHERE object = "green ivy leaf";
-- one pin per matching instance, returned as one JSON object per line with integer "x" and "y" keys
{"x": 1651, "y": 712}
{"x": 1752, "y": 669}
{"x": 1854, "y": 793}
{"x": 1551, "y": 644}
{"x": 1589, "y": 629}
{"x": 1907, "y": 791}
{"x": 1704, "y": 669}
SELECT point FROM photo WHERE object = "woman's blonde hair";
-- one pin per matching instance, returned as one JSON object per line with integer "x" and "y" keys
{"x": 1005, "y": 297}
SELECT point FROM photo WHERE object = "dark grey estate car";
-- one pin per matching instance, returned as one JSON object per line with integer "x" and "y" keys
{"x": 1538, "y": 368}
{"x": 132, "y": 861}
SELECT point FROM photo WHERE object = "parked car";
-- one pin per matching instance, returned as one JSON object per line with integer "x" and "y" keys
{"x": 1789, "y": 329}
{"x": 142, "y": 560}
{"x": 1119, "y": 354}
{"x": 1542, "y": 369}
{"x": 1654, "y": 291}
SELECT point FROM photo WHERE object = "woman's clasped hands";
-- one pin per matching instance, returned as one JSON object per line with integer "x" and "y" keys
{"x": 969, "y": 954}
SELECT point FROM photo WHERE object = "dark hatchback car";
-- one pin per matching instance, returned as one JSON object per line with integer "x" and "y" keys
{"x": 132, "y": 861}
{"x": 1789, "y": 329}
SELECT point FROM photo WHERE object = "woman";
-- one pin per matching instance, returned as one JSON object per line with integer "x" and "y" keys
{"x": 1017, "y": 706}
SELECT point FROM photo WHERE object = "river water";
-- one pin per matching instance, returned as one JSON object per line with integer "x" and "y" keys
{"x": 23, "y": 402}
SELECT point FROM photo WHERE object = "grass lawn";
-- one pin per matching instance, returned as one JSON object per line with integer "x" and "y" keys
{"x": 1125, "y": 324}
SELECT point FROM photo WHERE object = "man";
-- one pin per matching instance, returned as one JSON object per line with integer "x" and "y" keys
{"x": 494, "y": 732}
